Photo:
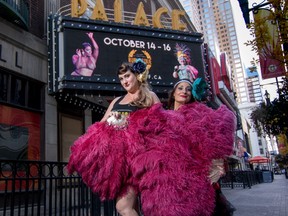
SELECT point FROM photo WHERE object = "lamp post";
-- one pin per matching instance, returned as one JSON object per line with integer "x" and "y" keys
{"x": 280, "y": 19}
{"x": 244, "y": 5}
{"x": 267, "y": 98}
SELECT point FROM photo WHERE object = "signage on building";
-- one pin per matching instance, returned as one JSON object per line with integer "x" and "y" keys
{"x": 84, "y": 54}
{"x": 79, "y": 7}
{"x": 270, "y": 66}
{"x": 219, "y": 78}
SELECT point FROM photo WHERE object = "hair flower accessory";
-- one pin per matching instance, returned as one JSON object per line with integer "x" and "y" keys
{"x": 139, "y": 66}
{"x": 199, "y": 89}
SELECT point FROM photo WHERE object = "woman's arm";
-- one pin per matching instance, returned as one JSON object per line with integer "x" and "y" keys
{"x": 193, "y": 71}
{"x": 108, "y": 111}
{"x": 95, "y": 45}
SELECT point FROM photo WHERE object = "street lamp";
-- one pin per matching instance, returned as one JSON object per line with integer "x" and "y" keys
{"x": 244, "y": 5}
{"x": 267, "y": 98}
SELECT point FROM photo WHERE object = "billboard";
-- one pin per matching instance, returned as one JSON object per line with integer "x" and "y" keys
{"x": 84, "y": 55}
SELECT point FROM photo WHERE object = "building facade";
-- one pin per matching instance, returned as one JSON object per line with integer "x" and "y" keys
{"x": 38, "y": 122}
{"x": 35, "y": 123}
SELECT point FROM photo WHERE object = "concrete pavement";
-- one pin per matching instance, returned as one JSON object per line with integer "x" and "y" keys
{"x": 265, "y": 199}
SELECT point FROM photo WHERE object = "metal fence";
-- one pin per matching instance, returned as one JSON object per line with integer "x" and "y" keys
{"x": 241, "y": 179}
{"x": 42, "y": 188}
{"x": 45, "y": 188}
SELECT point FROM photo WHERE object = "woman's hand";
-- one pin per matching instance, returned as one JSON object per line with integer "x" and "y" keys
{"x": 116, "y": 115}
{"x": 79, "y": 52}
{"x": 90, "y": 34}
{"x": 117, "y": 120}
{"x": 217, "y": 170}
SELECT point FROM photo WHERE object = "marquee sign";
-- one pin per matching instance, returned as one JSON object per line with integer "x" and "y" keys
{"x": 84, "y": 54}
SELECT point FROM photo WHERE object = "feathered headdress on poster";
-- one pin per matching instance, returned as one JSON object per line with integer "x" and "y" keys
{"x": 182, "y": 50}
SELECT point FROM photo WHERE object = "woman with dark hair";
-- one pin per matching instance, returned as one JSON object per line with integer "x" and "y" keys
{"x": 182, "y": 99}
{"x": 85, "y": 59}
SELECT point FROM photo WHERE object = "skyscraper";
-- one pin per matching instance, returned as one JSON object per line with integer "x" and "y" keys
{"x": 214, "y": 18}
{"x": 253, "y": 85}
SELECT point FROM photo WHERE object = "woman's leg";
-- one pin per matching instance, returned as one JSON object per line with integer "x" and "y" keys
{"x": 125, "y": 204}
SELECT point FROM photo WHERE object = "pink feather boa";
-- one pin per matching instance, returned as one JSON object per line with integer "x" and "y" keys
{"x": 166, "y": 155}
{"x": 99, "y": 156}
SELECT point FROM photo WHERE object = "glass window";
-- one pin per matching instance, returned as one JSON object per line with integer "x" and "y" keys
{"x": 3, "y": 86}
{"x": 227, "y": 6}
{"x": 20, "y": 91}
{"x": 18, "y": 87}
{"x": 241, "y": 85}
{"x": 261, "y": 150}
{"x": 240, "y": 79}
{"x": 34, "y": 95}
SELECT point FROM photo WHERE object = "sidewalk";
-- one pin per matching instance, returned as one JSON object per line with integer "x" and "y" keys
{"x": 269, "y": 199}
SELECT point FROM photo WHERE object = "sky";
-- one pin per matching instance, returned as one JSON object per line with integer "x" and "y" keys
{"x": 247, "y": 55}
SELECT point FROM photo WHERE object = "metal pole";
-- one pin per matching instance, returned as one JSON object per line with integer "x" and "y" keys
{"x": 277, "y": 83}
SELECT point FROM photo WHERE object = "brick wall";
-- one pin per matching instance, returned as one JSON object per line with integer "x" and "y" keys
{"x": 36, "y": 25}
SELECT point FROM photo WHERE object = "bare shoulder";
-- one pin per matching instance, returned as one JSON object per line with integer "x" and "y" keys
{"x": 114, "y": 100}
{"x": 155, "y": 97}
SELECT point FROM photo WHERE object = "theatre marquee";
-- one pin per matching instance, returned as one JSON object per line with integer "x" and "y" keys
{"x": 71, "y": 40}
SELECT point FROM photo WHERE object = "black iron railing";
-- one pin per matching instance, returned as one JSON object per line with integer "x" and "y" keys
{"x": 45, "y": 188}
{"x": 241, "y": 179}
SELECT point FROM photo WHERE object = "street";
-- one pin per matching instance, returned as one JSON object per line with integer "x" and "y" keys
{"x": 269, "y": 199}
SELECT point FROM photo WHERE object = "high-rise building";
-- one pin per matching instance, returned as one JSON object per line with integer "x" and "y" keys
{"x": 191, "y": 8}
{"x": 253, "y": 85}
{"x": 216, "y": 22}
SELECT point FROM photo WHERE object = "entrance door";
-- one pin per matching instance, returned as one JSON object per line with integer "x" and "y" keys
{"x": 71, "y": 127}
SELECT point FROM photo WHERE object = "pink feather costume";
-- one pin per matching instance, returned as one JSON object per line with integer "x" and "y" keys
{"x": 165, "y": 155}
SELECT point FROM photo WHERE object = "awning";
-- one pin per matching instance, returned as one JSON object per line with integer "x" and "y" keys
{"x": 259, "y": 159}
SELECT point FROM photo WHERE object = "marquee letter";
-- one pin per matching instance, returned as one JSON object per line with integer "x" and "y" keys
{"x": 157, "y": 16}
{"x": 141, "y": 18}
{"x": 117, "y": 11}
{"x": 78, "y": 10}
{"x": 176, "y": 23}
{"x": 99, "y": 11}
